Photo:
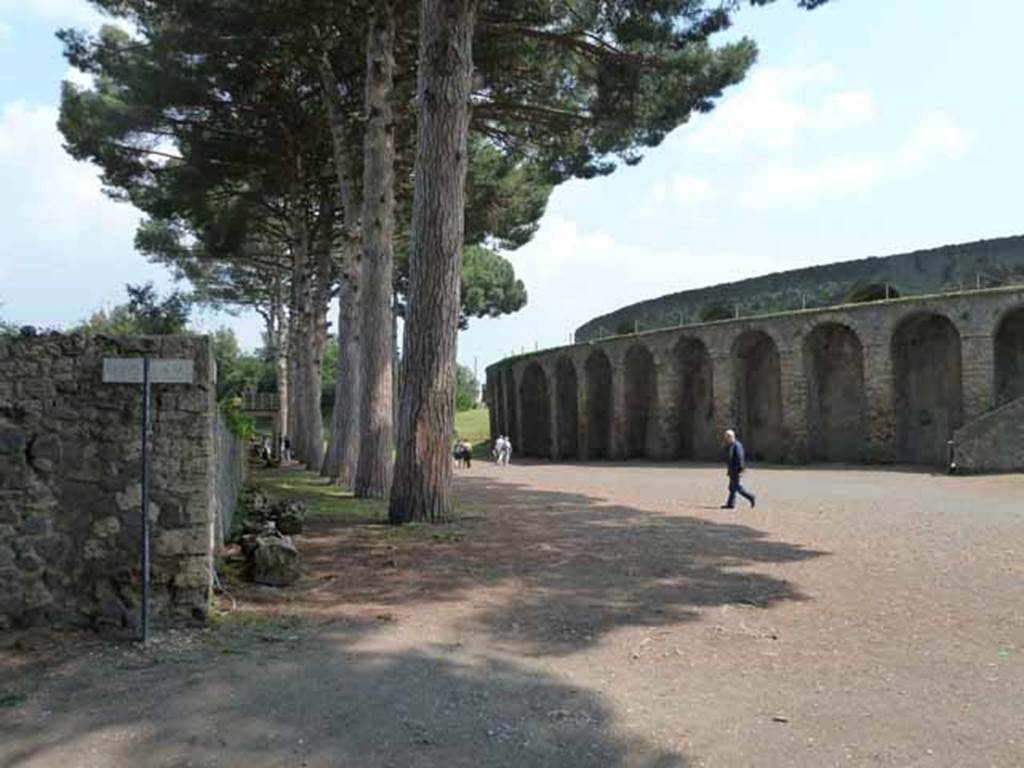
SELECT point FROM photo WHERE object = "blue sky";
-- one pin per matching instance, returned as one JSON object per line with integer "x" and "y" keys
{"x": 867, "y": 127}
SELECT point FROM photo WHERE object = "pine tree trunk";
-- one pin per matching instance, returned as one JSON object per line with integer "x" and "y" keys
{"x": 277, "y": 340}
{"x": 343, "y": 450}
{"x": 374, "y": 468}
{"x": 422, "y": 489}
{"x": 305, "y": 414}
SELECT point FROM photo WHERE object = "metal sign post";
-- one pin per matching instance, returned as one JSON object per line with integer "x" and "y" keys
{"x": 144, "y": 545}
{"x": 146, "y": 371}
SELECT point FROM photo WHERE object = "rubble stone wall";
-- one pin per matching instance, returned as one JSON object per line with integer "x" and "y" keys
{"x": 70, "y": 483}
{"x": 993, "y": 443}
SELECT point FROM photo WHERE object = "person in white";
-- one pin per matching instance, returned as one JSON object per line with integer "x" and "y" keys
{"x": 506, "y": 452}
{"x": 496, "y": 453}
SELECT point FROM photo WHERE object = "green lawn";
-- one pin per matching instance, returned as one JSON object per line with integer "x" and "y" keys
{"x": 323, "y": 500}
{"x": 475, "y": 426}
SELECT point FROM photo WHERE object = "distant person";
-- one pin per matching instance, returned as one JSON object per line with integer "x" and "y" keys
{"x": 467, "y": 454}
{"x": 506, "y": 452}
{"x": 287, "y": 453}
{"x": 496, "y": 451}
{"x": 737, "y": 463}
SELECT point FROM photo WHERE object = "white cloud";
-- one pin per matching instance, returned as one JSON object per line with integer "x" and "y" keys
{"x": 936, "y": 137}
{"x": 65, "y": 248}
{"x": 607, "y": 272}
{"x": 690, "y": 190}
{"x": 79, "y": 78}
{"x": 6, "y": 32}
{"x": 790, "y": 184}
{"x": 679, "y": 192}
{"x": 776, "y": 107}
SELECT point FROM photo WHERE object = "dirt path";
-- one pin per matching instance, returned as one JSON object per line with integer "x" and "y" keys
{"x": 586, "y": 616}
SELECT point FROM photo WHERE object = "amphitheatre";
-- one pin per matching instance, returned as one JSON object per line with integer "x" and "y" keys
{"x": 912, "y": 359}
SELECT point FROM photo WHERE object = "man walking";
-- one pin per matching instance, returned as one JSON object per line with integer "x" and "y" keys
{"x": 737, "y": 463}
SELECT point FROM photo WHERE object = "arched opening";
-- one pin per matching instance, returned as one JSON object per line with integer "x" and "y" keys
{"x": 929, "y": 390}
{"x": 758, "y": 395}
{"x": 536, "y": 416}
{"x": 696, "y": 436}
{"x": 836, "y": 401}
{"x": 566, "y": 395}
{"x": 511, "y": 415}
{"x": 641, "y": 398}
{"x": 599, "y": 405}
{"x": 1010, "y": 357}
{"x": 493, "y": 413}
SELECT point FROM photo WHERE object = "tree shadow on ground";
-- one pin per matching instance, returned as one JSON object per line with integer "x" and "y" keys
{"x": 560, "y": 570}
{"x": 301, "y": 695}
{"x": 584, "y": 568}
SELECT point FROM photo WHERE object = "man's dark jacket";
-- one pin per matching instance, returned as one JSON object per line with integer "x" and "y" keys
{"x": 737, "y": 458}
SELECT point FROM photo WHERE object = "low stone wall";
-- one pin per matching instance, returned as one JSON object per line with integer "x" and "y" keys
{"x": 70, "y": 483}
{"x": 993, "y": 443}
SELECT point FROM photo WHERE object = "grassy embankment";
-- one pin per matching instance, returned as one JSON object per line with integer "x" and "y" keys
{"x": 475, "y": 426}
{"x": 325, "y": 501}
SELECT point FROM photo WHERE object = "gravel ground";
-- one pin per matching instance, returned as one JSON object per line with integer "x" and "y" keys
{"x": 584, "y": 615}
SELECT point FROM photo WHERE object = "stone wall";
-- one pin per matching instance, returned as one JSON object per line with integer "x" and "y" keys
{"x": 994, "y": 442}
{"x": 953, "y": 267}
{"x": 70, "y": 483}
{"x": 881, "y": 382}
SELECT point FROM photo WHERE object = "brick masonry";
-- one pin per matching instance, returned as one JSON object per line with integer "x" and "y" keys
{"x": 70, "y": 483}
{"x": 914, "y": 369}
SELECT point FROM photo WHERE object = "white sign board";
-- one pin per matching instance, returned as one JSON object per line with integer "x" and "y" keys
{"x": 128, "y": 370}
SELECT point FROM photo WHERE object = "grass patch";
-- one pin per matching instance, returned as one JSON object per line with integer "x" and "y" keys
{"x": 323, "y": 500}
{"x": 475, "y": 426}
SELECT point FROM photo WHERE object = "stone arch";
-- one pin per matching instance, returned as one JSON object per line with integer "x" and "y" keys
{"x": 599, "y": 402}
{"x": 567, "y": 403}
{"x": 536, "y": 416}
{"x": 492, "y": 406}
{"x": 1009, "y": 356}
{"x": 511, "y": 409}
{"x": 696, "y": 400}
{"x": 836, "y": 399}
{"x": 928, "y": 394}
{"x": 758, "y": 388}
{"x": 641, "y": 400}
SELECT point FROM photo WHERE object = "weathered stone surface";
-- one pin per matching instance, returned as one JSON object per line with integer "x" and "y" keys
{"x": 186, "y": 541}
{"x": 107, "y": 527}
{"x": 12, "y": 442}
{"x": 275, "y": 561}
{"x": 994, "y": 442}
{"x": 879, "y": 382}
{"x": 70, "y": 470}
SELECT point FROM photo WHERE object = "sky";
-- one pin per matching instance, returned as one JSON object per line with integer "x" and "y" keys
{"x": 866, "y": 128}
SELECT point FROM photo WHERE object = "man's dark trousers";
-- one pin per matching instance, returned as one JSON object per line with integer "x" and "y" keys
{"x": 735, "y": 486}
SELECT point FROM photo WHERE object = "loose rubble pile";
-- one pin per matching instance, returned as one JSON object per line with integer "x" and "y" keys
{"x": 268, "y": 549}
